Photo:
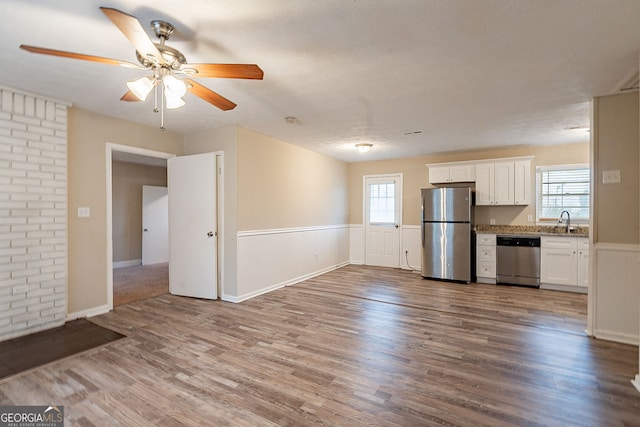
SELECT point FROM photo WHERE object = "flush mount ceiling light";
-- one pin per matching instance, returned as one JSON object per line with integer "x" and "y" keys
{"x": 364, "y": 147}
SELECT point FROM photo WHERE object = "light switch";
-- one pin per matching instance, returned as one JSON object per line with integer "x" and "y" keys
{"x": 611, "y": 177}
{"x": 84, "y": 212}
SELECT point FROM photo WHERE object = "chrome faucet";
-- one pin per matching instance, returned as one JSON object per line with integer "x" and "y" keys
{"x": 568, "y": 220}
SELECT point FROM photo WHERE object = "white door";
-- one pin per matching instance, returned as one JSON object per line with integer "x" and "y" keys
{"x": 193, "y": 226}
{"x": 155, "y": 224}
{"x": 382, "y": 220}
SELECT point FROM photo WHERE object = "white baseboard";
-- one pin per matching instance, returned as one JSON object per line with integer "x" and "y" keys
{"x": 90, "y": 312}
{"x": 240, "y": 298}
{"x": 128, "y": 263}
{"x": 636, "y": 382}
{"x": 564, "y": 288}
{"x": 616, "y": 337}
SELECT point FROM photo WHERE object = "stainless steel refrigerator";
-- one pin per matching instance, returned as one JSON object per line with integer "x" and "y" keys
{"x": 448, "y": 249}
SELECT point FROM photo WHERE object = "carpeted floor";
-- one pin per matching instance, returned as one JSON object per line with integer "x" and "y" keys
{"x": 24, "y": 353}
{"x": 139, "y": 282}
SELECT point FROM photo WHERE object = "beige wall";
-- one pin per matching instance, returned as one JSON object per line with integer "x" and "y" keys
{"x": 128, "y": 179}
{"x": 616, "y": 148}
{"x": 281, "y": 185}
{"x": 415, "y": 177}
{"x": 88, "y": 133}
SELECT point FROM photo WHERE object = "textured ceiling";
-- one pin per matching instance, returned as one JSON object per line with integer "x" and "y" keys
{"x": 464, "y": 74}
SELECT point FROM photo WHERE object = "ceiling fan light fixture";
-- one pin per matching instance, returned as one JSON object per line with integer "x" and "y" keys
{"x": 141, "y": 87}
{"x": 173, "y": 102}
{"x": 364, "y": 147}
{"x": 173, "y": 87}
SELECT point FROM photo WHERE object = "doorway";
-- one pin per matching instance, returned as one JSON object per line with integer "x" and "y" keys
{"x": 135, "y": 284}
{"x": 382, "y": 219}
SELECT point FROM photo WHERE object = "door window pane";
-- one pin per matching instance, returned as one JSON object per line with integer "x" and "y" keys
{"x": 382, "y": 203}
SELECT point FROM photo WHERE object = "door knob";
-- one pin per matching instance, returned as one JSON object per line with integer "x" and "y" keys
{"x": 146, "y": 229}
{"x": 211, "y": 233}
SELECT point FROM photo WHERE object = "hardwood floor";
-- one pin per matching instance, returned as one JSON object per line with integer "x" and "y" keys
{"x": 139, "y": 282}
{"x": 356, "y": 346}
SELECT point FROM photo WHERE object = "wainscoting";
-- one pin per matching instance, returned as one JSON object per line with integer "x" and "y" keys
{"x": 271, "y": 259}
{"x": 410, "y": 243}
{"x": 617, "y": 292}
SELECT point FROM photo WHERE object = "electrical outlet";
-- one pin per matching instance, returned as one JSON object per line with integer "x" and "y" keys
{"x": 611, "y": 177}
{"x": 492, "y": 221}
{"x": 529, "y": 218}
{"x": 84, "y": 212}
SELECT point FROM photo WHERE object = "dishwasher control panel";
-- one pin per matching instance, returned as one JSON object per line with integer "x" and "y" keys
{"x": 531, "y": 242}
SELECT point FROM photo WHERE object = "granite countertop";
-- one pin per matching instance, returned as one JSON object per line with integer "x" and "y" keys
{"x": 546, "y": 230}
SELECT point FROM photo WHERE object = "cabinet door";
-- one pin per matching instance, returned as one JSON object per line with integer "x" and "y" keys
{"x": 484, "y": 184}
{"x": 583, "y": 268}
{"x": 486, "y": 269}
{"x": 462, "y": 173}
{"x": 503, "y": 183}
{"x": 558, "y": 266}
{"x": 438, "y": 174}
{"x": 522, "y": 182}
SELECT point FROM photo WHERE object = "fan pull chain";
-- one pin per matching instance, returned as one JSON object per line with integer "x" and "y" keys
{"x": 162, "y": 108}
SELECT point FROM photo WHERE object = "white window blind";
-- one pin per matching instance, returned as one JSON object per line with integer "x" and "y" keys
{"x": 382, "y": 199}
{"x": 563, "y": 188}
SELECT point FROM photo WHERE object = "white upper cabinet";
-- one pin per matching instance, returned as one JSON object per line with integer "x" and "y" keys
{"x": 522, "y": 182}
{"x": 499, "y": 182}
{"x": 451, "y": 172}
{"x": 484, "y": 184}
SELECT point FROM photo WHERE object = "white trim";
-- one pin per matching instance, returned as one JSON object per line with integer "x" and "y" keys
{"x": 90, "y": 312}
{"x": 618, "y": 247}
{"x": 109, "y": 149}
{"x": 128, "y": 263}
{"x": 636, "y": 382}
{"x": 36, "y": 95}
{"x": 411, "y": 227}
{"x": 289, "y": 282}
{"x": 617, "y": 337}
{"x": 220, "y": 216}
{"x": 290, "y": 230}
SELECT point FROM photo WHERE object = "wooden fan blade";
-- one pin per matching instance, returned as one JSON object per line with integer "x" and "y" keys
{"x": 228, "y": 71}
{"x": 134, "y": 32}
{"x": 129, "y": 97}
{"x": 73, "y": 55}
{"x": 208, "y": 95}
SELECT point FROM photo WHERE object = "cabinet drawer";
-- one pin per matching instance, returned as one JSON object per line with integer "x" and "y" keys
{"x": 486, "y": 269}
{"x": 558, "y": 242}
{"x": 486, "y": 239}
{"x": 486, "y": 253}
{"x": 583, "y": 244}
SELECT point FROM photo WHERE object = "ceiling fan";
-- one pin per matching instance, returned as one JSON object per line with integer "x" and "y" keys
{"x": 164, "y": 62}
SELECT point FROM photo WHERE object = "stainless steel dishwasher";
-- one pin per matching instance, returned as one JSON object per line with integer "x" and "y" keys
{"x": 518, "y": 260}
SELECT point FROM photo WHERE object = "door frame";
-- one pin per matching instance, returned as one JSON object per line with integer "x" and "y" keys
{"x": 399, "y": 177}
{"x": 109, "y": 149}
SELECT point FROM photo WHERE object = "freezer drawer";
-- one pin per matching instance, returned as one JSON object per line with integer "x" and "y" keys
{"x": 446, "y": 251}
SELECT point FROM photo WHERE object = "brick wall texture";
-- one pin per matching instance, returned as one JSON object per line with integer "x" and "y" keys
{"x": 33, "y": 213}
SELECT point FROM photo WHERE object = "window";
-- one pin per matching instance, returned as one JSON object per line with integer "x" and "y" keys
{"x": 561, "y": 188}
{"x": 382, "y": 199}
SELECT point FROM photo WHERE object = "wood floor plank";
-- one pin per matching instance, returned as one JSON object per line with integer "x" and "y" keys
{"x": 356, "y": 346}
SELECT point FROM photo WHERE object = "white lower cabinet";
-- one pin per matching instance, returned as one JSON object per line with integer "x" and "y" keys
{"x": 486, "y": 258}
{"x": 564, "y": 263}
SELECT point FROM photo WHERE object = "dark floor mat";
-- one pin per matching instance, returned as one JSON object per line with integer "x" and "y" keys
{"x": 24, "y": 353}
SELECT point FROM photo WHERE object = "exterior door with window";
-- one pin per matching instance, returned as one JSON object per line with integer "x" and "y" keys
{"x": 382, "y": 202}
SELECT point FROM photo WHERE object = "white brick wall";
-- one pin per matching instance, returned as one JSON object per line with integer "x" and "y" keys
{"x": 33, "y": 213}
